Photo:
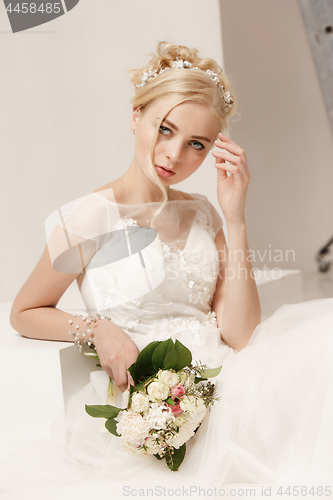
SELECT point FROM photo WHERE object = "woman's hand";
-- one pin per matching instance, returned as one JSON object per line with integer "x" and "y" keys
{"x": 231, "y": 191}
{"x": 116, "y": 352}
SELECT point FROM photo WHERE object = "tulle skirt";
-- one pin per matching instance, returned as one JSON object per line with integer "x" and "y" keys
{"x": 271, "y": 428}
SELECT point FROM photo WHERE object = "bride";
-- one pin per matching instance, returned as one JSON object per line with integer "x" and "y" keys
{"x": 152, "y": 263}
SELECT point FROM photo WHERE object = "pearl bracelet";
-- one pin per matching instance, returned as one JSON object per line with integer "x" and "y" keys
{"x": 87, "y": 338}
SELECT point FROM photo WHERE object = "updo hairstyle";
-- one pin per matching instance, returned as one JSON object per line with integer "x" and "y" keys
{"x": 189, "y": 85}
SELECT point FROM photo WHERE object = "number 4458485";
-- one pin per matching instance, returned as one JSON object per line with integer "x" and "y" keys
{"x": 305, "y": 491}
{"x": 32, "y": 8}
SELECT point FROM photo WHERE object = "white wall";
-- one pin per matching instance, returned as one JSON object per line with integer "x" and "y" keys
{"x": 283, "y": 127}
{"x": 65, "y": 110}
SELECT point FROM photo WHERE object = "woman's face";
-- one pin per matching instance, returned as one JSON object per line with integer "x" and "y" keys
{"x": 184, "y": 139}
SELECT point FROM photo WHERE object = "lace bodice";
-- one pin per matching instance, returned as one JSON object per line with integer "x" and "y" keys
{"x": 157, "y": 277}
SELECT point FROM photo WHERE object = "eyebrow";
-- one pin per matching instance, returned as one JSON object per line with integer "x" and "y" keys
{"x": 201, "y": 138}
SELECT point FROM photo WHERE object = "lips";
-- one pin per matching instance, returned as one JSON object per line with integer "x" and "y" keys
{"x": 167, "y": 169}
{"x": 163, "y": 172}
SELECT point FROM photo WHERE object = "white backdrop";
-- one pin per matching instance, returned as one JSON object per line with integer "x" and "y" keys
{"x": 284, "y": 130}
{"x": 65, "y": 110}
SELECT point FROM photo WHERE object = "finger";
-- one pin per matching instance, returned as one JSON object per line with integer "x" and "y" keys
{"x": 230, "y": 148}
{"x": 226, "y": 143}
{"x": 218, "y": 159}
{"x": 130, "y": 381}
{"x": 233, "y": 169}
{"x": 229, "y": 159}
{"x": 225, "y": 138}
{"x": 107, "y": 368}
{"x": 225, "y": 156}
{"x": 221, "y": 173}
{"x": 120, "y": 378}
{"x": 234, "y": 160}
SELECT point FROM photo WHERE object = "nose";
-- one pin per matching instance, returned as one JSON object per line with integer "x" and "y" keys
{"x": 174, "y": 151}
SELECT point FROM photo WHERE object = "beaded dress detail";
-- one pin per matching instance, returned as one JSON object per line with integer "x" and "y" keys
{"x": 181, "y": 264}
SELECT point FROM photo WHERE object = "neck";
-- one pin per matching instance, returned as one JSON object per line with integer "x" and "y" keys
{"x": 136, "y": 188}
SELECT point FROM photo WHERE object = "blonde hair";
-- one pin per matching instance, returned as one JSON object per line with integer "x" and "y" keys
{"x": 184, "y": 84}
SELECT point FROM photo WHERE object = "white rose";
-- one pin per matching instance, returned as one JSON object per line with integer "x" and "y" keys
{"x": 192, "y": 404}
{"x": 186, "y": 431}
{"x": 139, "y": 402}
{"x": 132, "y": 427}
{"x": 197, "y": 418}
{"x": 186, "y": 378}
{"x": 158, "y": 391}
{"x": 169, "y": 378}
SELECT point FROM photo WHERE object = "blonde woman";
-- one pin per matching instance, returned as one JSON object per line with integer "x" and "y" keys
{"x": 265, "y": 430}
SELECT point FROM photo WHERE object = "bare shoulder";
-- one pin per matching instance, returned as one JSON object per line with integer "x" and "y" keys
{"x": 110, "y": 191}
{"x": 180, "y": 195}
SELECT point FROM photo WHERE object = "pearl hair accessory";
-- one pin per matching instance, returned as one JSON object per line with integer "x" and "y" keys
{"x": 86, "y": 337}
{"x": 180, "y": 64}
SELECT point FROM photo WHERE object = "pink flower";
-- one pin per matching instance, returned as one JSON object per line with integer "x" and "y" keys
{"x": 177, "y": 392}
{"x": 176, "y": 409}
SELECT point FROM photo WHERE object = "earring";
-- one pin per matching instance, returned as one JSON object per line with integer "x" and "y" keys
{"x": 133, "y": 131}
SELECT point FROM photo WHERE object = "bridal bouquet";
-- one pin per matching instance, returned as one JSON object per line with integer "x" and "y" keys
{"x": 166, "y": 406}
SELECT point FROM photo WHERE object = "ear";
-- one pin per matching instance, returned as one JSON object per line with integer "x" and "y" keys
{"x": 135, "y": 118}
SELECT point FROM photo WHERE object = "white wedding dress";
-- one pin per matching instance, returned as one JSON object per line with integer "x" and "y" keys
{"x": 273, "y": 423}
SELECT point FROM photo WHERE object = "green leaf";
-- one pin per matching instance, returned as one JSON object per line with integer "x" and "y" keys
{"x": 178, "y": 358}
{"x": 160, "y": 353}
{"x": 102, "y": 411}
{"x": 110, "y": 424}
{"x": 199, "y": 379}
{"x": 174, "y": 461}
{"x": 210, "y": 372}
{"x": 170, "y": 401}
{"x": 132, "y": 370}
{"x": 143, "y": 364}
{"x": 139, "y": 387}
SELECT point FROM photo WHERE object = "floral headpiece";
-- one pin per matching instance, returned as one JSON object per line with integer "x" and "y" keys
{"x": 180, "y": 64}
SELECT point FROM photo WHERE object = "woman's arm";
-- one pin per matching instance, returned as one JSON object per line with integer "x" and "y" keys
{"x": 34, "y": 315}
{"x": 236, "y": 300}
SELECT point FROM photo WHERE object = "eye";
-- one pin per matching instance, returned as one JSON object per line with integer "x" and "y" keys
{"x": 197, "y": 145}
{"x": 165, "y": 130}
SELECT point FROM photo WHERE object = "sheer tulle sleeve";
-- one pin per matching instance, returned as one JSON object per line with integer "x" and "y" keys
{"x": 77, "y": 230}
{"x": 215, "y": 220}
